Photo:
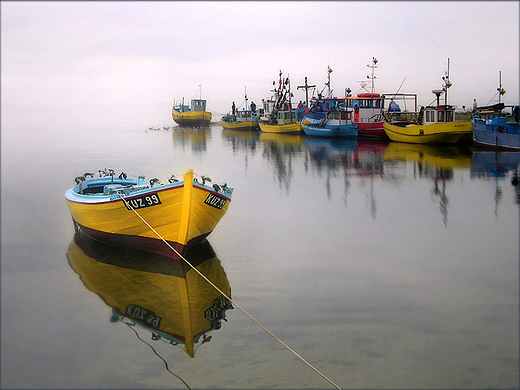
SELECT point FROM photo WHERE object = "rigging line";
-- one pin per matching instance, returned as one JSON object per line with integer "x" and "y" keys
{"x": 229, "y": 298}
{"x": 160, "y": 357}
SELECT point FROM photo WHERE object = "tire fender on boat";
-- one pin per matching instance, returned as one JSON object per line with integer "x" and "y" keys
{"x": 500, "y": 128}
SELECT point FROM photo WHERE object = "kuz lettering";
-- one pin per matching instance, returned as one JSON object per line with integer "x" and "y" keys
{"x": 215, "y": 201}
{"x": 143, "y": 201}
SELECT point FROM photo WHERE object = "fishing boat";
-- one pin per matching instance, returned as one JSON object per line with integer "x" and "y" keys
{"x": 369, "y": 106}
{"x": 152, "y": 293}
{"x": 491, "y": 128}
{"x": 336, "y": 124}
{"x": 193, "y": 115}
{"x": 241, "y": 119}
{"x": 281, "y": 117}
{"x": 150, "y": 215}
{"x": 434, "y": 124}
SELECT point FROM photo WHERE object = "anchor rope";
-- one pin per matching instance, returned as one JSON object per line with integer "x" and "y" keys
{"x": 160, "y": 357}
{"x": 229, "y": 298}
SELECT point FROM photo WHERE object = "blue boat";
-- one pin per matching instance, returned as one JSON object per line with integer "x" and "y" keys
{"x": 337, "y": 124}
{"x": 491, "y": 128}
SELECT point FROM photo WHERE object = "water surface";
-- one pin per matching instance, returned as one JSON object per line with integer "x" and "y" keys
{"x": 384, "y": 265}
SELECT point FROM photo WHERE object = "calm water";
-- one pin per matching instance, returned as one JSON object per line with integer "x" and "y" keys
{"x": 383, "y": 265}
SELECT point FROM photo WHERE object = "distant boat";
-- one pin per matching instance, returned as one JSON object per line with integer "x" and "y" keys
{"x": 281, "y": 118}
{"x": 151, "y": 292}
{"x": 434, "y": 124}
{"x": 244, "y": 119}
{"x": 193, "y": 115}
{"x": 491, "y": 128}
{"x": 336, "y": 124}
{"x": 182, "y": 212}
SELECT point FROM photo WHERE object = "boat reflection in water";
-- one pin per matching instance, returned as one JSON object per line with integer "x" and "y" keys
{"x": 497, "y": 165}
{"x": 167, "y": 298}
{"x": 196, "y": 136}
{"x": 436, "y": 162}
{"x": 346, "y": 158}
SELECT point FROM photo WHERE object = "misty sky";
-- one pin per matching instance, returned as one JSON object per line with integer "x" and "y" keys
{"x": 125, "y": 62}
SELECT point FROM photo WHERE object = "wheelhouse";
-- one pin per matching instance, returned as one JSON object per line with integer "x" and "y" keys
{"x": 198, "y": 105}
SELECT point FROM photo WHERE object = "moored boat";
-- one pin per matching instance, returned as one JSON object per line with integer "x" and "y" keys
{"x": 432, "y": 125}
{"x": 244, "y": 119}
{"x": 491, "y": 127}
{"x": 180, "y": 212}
{"x": 193, "y": 115}
{"x": 281, "y": 118}
{"x": 336, "y": 124}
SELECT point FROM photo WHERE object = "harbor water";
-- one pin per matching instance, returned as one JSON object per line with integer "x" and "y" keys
{"x": 383, "y": 265}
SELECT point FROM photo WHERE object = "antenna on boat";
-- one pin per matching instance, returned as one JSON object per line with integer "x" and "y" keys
{"x": 372, "y": 77}
{"x": 501, "y": 91}
{"x": 245, "y": 96}
{"x": 200, "y": 91}
{"x": 329, "y": 71}
{"x": 447, "y": 83}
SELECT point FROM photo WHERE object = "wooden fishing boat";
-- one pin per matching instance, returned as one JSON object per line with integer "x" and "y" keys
{"x": 337, "y": 124}
{"x": 243, "y": 120}
{"x": 182, "y": 212}
{"x": 281, "y": 117}
{"x": 433, "y": 124}
{"x": 193, "y": 115}
{"x": 491, "y": 128}
{"x": 151, "y": 292}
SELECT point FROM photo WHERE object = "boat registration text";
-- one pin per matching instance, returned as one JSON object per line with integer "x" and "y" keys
{"x": 215, "y": 201}
{"x": 143, "y": 316}
{"x": 142, "y": 201}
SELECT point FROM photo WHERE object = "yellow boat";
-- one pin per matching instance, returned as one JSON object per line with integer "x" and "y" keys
{"x": 123, "y": 211}
{"x": 154, "y": 293}
{"x": 433, "y": 125}
{"x": 243, "y": 120}
{"x": 194, "y": 115}
{"x": 280, "y": 117}
{"x": 281, "y": 128}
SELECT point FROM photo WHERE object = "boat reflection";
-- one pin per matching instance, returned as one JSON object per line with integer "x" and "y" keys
{"x": 163, "y": 296}
{"x": 196, "y": 136}
{"x": 435, "y": 162}
{"x": 280, "y": 150}
{"x": 497, "y": 166}
{"x": 346, "y": 158}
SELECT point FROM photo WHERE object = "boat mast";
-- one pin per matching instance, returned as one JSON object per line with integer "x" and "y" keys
{"x": 372, "y": 77}
{"x": 447, "y": 83}
{"x": 245, "y": 93}
{"x": 501, "y": 91}
{"x": 329, "y": 71}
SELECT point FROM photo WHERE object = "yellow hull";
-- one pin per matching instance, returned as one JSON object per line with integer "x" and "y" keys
{"x": 192, "y": 118}
{"x": 439, "y": 133}
{"x": 281, "y": 129}
{"x": 162, "y": 296}
{"x": 182, "y": 218}
{"x": 252, "y": 125}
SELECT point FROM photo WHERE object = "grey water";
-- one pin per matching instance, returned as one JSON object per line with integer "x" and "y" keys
{"x": 383, "y": 265}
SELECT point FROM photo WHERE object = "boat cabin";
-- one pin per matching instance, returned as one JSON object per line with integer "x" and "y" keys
{"x": 365, "y": 100}
{"x": 198, "y": 105}
{"x": 286, "y": 117}
{"x": 437, "y": 114}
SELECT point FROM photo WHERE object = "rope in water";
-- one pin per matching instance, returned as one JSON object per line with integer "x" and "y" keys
{"x": 229, "y": 298}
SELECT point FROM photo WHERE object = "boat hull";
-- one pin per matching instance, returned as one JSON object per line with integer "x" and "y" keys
{"x": 192, "y": 118}
{"x": 250, "y": 125}
{"x": 340, "y": 131}
{"x": 440, "y": 133}
{"x": 371, "y": 130}
{"x": 182, "y": 213}
{"x": 488, "y": 136}
{"x": 281, "y": 129}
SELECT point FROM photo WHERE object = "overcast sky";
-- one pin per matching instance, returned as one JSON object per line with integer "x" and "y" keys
{"x": 126, "y": 62}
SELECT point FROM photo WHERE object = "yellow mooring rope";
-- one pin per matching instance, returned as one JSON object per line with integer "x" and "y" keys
{"x": 229, "y": 298}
